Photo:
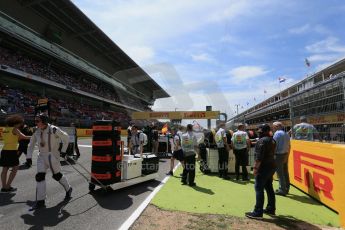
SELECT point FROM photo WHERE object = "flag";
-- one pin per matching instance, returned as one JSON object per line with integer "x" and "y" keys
{"x": 307, "y": 62}
{"x": 281, "y": 79}
{"x": 165, "y": 128}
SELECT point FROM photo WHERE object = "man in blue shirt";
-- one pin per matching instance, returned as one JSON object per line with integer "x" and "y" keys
{"x": 281, "y": 157}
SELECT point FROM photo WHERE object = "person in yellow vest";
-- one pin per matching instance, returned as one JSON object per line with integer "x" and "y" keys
{"x": 9, "y": 153}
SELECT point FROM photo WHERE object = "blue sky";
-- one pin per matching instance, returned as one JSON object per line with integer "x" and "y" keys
{"x": 223, "y": 52}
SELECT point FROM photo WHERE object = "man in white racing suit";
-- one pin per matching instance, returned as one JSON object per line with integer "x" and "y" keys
{"x": 48, "y": 137}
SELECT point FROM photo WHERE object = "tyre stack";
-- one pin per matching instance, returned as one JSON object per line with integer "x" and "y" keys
{"x": 106, "y": 152}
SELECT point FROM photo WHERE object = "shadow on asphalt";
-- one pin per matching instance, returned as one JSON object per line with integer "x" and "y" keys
{"x": 46, "y": 217}
{"x": 121, "y": 199}
{"x": 6, "y": 199}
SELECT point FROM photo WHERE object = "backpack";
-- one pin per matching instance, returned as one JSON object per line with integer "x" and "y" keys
{"x": 144, "y": 138}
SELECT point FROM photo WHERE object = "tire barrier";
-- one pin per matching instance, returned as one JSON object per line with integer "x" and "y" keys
{"x": 106, "y": 152}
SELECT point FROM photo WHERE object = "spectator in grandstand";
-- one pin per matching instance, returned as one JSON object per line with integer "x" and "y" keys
{"x": 155, "y": 141}
{"x": 48, "y": 137}
{"x": 223, "y": 152}
{"x": 190, "y": 149}
{"x": 264, "y": 168}
{"x": 136, "y": 143}
{"x": 76, "y": 148}
{"x": 23, "y": 144}
{"x": 9, "y": 153}
{"x": 281, "y": 157}
{"x": 176, "y": 147}
{"x": 305, "y": 131}
{"x": 241, "y": 145}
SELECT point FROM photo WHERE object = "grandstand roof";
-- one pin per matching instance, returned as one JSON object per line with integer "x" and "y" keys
{"x": 63, "y": 23}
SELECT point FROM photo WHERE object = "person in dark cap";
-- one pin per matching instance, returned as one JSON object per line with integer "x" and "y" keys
{"x": 264, "y": 168}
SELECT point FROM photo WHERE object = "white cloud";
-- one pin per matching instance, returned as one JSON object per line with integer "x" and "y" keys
{"x": 300, "y": 30}
{"x": 325, "y": 52}
{"x": 203, "y": 57}
{"x": 142, "y": 54}
{"x": 228, "y": 39}
{"x": 324, "y": 57}
{"x": 330, "y": 44}
{"x": 157, "y": 23}
{"x": 248, "y": 53}
{"x": 246, "y": 72}
{"x": 224, "y": 101}
{"x": 307, "y": 28}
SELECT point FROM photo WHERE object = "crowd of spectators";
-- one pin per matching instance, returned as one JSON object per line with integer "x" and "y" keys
{"x": 24, "y": 102}
{"x": 34, "y": 66}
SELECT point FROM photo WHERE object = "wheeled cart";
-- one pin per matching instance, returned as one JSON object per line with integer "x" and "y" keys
{"x": 94, "y": 181}
{"x": 110, "y": 168}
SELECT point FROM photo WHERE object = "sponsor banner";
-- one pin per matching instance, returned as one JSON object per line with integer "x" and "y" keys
{"x": 318, "y": 169}
{"x": 88, "y": 132}
{"x": 176, "y": 115}
{"x": 84, "y": 132}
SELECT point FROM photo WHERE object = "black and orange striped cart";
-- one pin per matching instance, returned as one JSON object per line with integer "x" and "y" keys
{"x": 110, "y": 168}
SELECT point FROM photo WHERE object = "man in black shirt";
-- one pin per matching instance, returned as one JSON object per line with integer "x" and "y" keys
{"x": 264, "y": 169}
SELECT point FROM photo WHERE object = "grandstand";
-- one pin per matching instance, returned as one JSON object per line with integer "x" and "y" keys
{"x": 50, "y": 49}
{"x": 320, "y": 97}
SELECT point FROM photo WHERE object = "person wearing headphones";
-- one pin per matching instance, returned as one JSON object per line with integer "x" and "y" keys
{"x": 48, "y": 137}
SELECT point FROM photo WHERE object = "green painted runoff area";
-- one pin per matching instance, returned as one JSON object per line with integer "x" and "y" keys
{"x": 214, "y": 195}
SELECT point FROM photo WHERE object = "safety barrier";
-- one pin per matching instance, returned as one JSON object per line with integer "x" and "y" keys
{"x": 318, "y": 169}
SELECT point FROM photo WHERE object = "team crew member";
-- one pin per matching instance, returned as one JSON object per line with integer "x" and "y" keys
{"x": 241, "y": 145}
{"x": 190, "y": 149}
{"x": 305, "y": 131}
{"x": 23, "y": 144}
{"x": 281, "y": 156}
{"x": 48, "y": 137}
{"x": 136, "y": 144}
{"x": 177, "y": 150}
{"x": 264, "y": 168}
{"x": 223, "y": 152}
{"x": 9, "y": 153}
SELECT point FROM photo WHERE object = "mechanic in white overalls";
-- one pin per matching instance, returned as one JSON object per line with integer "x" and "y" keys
{"x": 48, "y": 137}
